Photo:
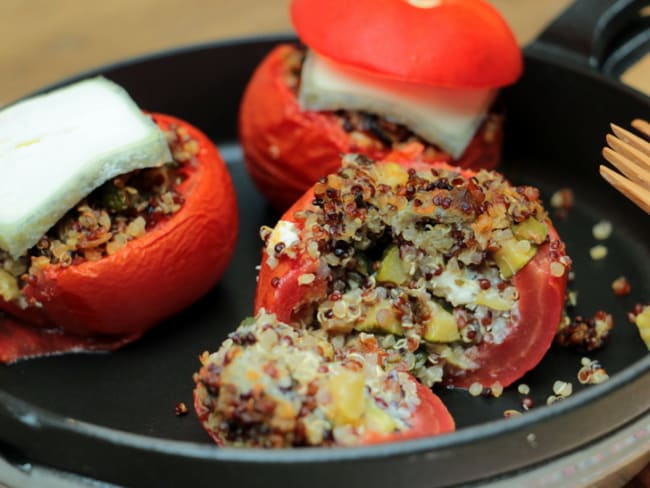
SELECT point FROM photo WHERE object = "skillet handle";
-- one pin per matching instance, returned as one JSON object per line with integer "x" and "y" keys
{"x": 604, "y": 35}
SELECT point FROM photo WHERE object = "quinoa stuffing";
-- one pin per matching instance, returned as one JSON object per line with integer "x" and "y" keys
{"x": 415, "y": 271}
{"x": 423, "y": 258}
{"x": 122, "y": 209}
{"x": 271, "y": 385}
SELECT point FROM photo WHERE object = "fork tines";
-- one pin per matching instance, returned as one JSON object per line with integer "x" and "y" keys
{"x": 630, "y": 154}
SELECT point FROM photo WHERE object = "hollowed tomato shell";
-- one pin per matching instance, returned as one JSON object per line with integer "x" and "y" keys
{"x": 287, "y": 149}
{"x": 106, "y": 303}
{"x": 453, "y": 43}
{"x": 541, "y": 302}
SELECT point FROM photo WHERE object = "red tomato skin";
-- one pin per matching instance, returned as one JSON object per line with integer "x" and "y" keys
{"x": 287, "y": 149}
{"x": 431, "y": 417}
{"x": 457, "y": 43}
{"x": 152, "y": 277}
{"x": 278, "y": 290}
{"x": 541, "y": 301}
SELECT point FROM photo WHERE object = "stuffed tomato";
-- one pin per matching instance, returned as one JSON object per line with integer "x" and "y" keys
{"x": 377, "y": 77}
{"x": 137, "y": 249}
{"x": 272, "y": 385}
{"x": 460, "y": 275}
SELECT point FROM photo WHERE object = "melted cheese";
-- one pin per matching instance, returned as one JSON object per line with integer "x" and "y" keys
{"x": 58, "y": 147}
{"x": 447, "y": 117}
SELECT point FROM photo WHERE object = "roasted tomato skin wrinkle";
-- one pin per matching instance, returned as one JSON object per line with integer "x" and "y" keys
{"x": 541, "y": 301}
{"x": 455, "y": 43}
{"x": 103, "y": 304}
{"x": 287, "y": 149}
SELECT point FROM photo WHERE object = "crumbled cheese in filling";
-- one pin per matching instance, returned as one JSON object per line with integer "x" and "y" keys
{"x": 281, "y": 238}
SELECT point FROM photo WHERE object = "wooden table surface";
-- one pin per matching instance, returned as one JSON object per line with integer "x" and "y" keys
{"x": 44, "y": 41}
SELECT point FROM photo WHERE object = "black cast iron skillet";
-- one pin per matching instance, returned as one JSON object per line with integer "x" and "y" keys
{"x": 111, "y": 416}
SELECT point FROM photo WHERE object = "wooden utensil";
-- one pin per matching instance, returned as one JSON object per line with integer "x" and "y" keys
{"x": 630, "y": 154}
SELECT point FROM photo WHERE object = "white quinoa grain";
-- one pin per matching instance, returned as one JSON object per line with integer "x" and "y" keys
{"x": 552, "y": 399}
{"x": 598, "y": 376}
{"x": 306, "y": 279}
{"x": 475, "y": 389}
{"x": 562, "y": 388}
{"x": 602, "y": 230}
{"x": 598, "y": 252}
{"x": 557, "y": 269}
{"x": 497, "y": 389}
{"x": 524, "y": 389}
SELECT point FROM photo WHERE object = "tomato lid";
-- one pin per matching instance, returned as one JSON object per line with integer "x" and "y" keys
{"x": 454, "y": 43}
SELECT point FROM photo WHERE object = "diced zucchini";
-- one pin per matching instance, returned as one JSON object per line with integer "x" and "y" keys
{"x": 391, "y": 268}
{"x": 381, "y": 318}
{"x": 513, "y": 256}
{"x": 441, "y": 327}
{"x": 531, "y": 229}
{"x": 378, "y": 420}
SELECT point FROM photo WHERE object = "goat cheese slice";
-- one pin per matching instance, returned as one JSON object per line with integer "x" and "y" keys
{"x": 447, "y": 117}
{"x": 58, "y": 147}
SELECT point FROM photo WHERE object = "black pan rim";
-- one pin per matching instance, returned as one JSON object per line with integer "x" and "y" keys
{"x": 35, "y": 417}
{"x": 39, "y": 418}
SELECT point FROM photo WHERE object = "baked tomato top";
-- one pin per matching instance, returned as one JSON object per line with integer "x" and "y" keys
{"x": 287, "y": 148}
{"x": 461, "y": 265}
{"x": 104, "y": 303}
{"x": 453, "y": 43}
